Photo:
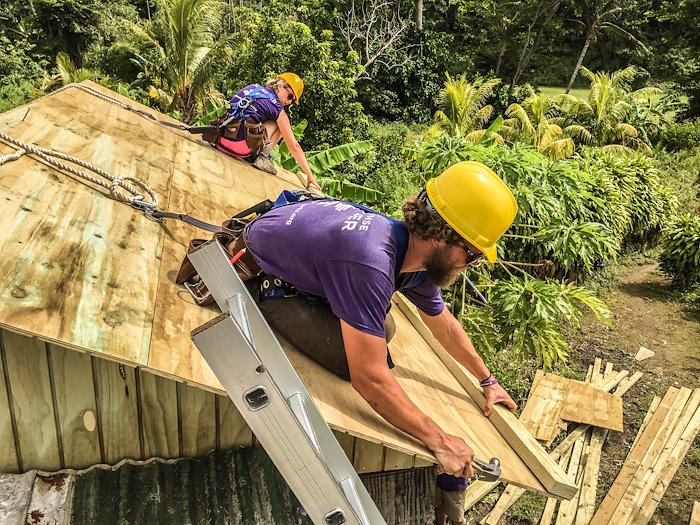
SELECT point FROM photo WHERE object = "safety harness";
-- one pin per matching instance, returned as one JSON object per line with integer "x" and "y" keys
{"x": 242, "y": 113}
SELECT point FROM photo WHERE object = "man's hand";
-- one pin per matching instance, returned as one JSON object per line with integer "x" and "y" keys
{"x": 497, "y": 394}
{"x": 455, "y": 457}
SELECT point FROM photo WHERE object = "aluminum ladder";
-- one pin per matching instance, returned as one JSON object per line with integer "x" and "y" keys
{"x": 250, "y": 363}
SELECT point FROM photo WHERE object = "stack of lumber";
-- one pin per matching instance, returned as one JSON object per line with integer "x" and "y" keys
{"x": 579, "y": 453}
{"x": 661, "y": 444}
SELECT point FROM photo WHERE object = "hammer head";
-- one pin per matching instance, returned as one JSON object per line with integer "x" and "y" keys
{"x": 487, "y": 471}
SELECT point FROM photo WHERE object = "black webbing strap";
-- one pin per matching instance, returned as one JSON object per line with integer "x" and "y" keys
{"x": 186, "y": 218}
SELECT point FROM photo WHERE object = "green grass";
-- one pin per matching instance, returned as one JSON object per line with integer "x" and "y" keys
{"x": 551, "y": 91}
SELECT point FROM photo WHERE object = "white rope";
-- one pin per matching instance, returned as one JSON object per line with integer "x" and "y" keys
{"x": 135, "y": 188}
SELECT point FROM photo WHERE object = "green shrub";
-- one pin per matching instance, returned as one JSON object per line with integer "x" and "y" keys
{"x": 525, "y": 315}
{"x": 679, "y": 172}
{"x": 680, "y": 136}
{"x": 680, "y": 258}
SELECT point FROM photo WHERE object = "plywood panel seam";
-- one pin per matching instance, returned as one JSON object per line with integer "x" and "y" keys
{"x": 98, "y": 408}
{"x": 139, "y": 412}
{"x": 56, "y": 419}
{"x": 10, "y": 403}
{"x": 178, "y": 401}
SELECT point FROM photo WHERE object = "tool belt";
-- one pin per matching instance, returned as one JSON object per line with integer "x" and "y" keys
{"x": 254, "y": 133}
{"x": 232, "y": 238}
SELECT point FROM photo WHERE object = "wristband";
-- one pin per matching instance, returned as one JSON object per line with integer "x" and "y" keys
{"x": 489, "y": 381}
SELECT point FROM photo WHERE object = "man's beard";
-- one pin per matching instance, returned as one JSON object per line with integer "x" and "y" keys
{"x": 440, "y": 267}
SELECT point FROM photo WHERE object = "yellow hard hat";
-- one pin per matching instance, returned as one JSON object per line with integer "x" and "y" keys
{"x": 295, "y": 82}
{"x": 475, "y": 202}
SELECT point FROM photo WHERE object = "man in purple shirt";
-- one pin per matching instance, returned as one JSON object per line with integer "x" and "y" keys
{"x": 347, "y": 261}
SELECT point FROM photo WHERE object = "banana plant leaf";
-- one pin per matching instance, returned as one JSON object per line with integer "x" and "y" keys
{"x": 322, "y": 161}
{"x": 488, "y": 138}
{"x": 342, "y": 189}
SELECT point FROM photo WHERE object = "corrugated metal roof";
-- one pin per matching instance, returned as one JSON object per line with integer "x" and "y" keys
{"x": 240, "y": 487}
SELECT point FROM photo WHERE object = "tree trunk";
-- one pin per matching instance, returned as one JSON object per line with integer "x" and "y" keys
{"x": 526, "y": 56}
{"x": 589, "y": 37}
{"x": 501, "y": 54}
{"x": 418, "y": 16}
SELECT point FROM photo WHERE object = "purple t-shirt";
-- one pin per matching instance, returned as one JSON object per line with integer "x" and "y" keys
{"x": 342, "y": 253}
{"x": 450, "y": 483}
{"x": 262, "y": 109}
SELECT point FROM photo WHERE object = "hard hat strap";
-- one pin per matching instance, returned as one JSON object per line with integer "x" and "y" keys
{"x": 423, "y": 197}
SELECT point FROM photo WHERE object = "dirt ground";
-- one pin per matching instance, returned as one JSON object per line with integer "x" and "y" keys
{"x": 645, "y": 314}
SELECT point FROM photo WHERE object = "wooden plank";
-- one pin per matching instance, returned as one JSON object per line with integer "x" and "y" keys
{"x": 560, "y": 398}
{"x": 423, "y": 463}
{"x": 608, "y": 370}
{"x": 588, "y": 404}
{"x": 655, "y": 402}
{"x": 502, "y": 505}
{"x": 589, "y": 486}
{"x": 656, "y": 452}
{"x": 695, "y": 516}
{"x": 8, "y": 454}
{"x": 565, "y": 446}
{"x": 28, "y": 374}
{"x": 596, "y": 375}
{"x": 197, "y": 414}
{"x": 476, "y": 491}
{"x": 369, "y": 457}
{"x": 395, "y": 460}
{"x": 117, "y": 410}
{"x": 347, "y": 443}
{"x": 534, "y": 456}
{"x": 542, "y": 412}
{"x": 76, "y": 407}
{"x": 159, "y": 417}
{"x": 654, "y": 476}
{"x": 672, "y": 402}
{"x": 551, "y": 504}
{"x": 567, "y": 509}
{"x": 233, "y": 430}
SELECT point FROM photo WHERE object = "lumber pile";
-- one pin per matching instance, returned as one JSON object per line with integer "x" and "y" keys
{"x": 662, "y": 442}
{"x": 653, "y": 460}
{"x": 579, "y": 453}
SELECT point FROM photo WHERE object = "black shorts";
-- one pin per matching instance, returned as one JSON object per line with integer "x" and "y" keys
{"x": 313, "y": 328}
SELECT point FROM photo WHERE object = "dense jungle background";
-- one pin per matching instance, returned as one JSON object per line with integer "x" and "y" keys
{"x": 587, "y": 108}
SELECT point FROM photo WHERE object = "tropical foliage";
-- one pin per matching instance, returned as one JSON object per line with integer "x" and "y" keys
{"x": 526, "y": 314}
{"x": 681, "y": 251}
{"x": 463, "y": 109}
{"x": 607, "y": 112}
{"x": 179, "y": 51}
{"x": 538, "y": 121}
{"x": 590, "y": 173}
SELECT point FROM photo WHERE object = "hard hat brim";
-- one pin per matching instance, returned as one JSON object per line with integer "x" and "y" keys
{"x": 491, "y": 254}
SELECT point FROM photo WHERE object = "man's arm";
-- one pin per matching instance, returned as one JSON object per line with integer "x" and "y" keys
{"x": 372, "y": 379}
{"x": 450, "y": 334}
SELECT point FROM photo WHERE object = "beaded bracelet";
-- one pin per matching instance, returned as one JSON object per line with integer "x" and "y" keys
{"x": 489, "y": 381}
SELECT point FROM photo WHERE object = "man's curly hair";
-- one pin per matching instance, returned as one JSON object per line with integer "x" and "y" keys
{"x": 427, "y": 226}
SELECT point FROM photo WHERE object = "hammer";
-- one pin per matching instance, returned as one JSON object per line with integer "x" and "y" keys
{"x": 486, "y": 471}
